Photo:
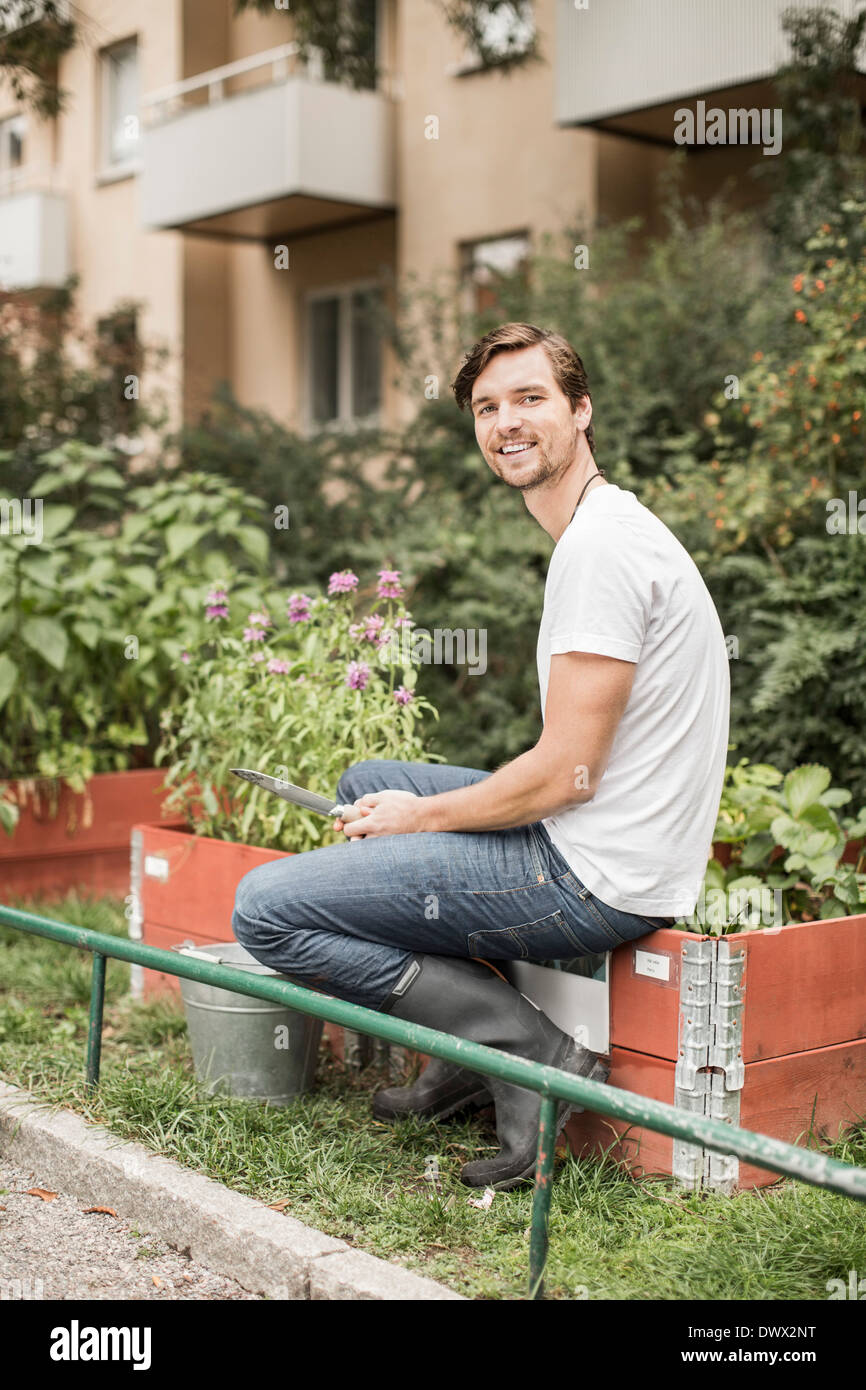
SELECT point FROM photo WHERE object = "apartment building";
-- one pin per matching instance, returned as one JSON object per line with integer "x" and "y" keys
{"x": 255, "y": 207}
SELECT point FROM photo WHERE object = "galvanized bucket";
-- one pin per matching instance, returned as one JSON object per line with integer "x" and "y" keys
{"x": 248, "y": 1047}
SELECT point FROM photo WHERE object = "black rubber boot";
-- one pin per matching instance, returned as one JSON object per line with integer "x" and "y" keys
{"x": 441, "y": 1090}
{"x": 467, "y": 998}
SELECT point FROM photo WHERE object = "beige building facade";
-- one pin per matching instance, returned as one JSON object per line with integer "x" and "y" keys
{"x": 256, "y": 209}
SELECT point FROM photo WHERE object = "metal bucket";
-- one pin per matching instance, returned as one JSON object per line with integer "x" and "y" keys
{"x": 248, "y": 1047}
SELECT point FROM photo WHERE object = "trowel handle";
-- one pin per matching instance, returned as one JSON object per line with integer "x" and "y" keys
{"x": 347, "y": 813}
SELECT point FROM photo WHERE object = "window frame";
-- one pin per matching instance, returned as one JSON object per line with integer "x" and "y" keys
{"x": 466, "y": 267}
{"x": 7, "y": 122}
{"x": 108, "y": 171}
{"x": 342, "y": 292}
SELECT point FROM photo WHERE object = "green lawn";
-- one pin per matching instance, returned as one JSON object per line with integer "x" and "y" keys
{"x": 331, "y": 1165}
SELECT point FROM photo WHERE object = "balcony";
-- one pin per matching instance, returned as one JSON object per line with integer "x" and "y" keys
{"x": 292, "y": 154}
{"x": 626, "y": 65}
{"x": 34, "y": 233}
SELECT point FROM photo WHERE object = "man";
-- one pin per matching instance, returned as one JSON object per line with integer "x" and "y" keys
{"x": 597, "y": 835}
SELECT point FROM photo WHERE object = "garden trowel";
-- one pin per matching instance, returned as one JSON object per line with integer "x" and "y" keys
{"x": 323, "y": 805}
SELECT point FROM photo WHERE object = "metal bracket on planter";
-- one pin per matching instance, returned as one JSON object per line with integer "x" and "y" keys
{"x": 710, "y": 1072}
{"x": 689, "y": 1159}
{"x": 696, "y": 995}
{"x": 726, "y": 1050}
{"x": 721, "y": 1171}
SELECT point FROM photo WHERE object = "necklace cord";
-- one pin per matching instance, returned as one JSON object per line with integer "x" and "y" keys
{"x": 598, "y": 474}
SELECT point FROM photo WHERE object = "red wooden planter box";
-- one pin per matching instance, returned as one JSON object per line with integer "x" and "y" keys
{"x": 183, "y": 889}
{"x": 766, "y": 1029}
{"x": 85, "y": 845}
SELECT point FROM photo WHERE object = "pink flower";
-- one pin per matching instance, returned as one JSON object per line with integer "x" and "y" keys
{"x": 277, "y": 668}
{"x": 342, "y": 582}
{"x": 389, "y": 584}
{"x": 257, "y": 656}
{"x": 260, "y": 620}
{"x": 299, "y": 608}
{"x": 254, "y": 634}
{"x": 402, "y": 695}
{"x": 185, "y": 658}
{"x": 217, "y": 595}
{"x": 368, "y": 628}
{"x": 404, "y": 622}
{"x": 216, "y": 610}
{"x": 358, "y": 674}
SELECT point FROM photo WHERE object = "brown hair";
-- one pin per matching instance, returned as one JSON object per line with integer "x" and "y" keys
{"x": 568, "y": 370}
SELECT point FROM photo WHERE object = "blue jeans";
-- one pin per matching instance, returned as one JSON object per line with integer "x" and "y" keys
{"x": 347, "y": 918}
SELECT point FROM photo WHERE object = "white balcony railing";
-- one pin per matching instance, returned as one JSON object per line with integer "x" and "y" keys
{"x": 262, "y": 145}
{"x": 279, "y": 62}
{"x": 31, "y": 178}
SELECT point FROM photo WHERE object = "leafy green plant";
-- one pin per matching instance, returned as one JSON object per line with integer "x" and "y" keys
{"x": 93, "y": 618}
{"x": 786, "y": 851}
{"x": 300, "y": 699}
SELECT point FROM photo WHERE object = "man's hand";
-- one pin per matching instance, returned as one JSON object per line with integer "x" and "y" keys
{"x": 383, "y": 813}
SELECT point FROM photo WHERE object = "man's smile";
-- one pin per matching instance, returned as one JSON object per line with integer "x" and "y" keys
{"x": 517, "y": 448}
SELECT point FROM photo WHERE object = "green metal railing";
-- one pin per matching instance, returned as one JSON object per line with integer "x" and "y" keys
{"x": 551, "y": 1083}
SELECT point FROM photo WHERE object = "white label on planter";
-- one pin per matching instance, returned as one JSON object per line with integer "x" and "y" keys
{"x": 647, "y": 963}
{"x": 156, "y": 867}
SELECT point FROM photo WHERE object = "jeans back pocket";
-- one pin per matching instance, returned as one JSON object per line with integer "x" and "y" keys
{"x": 547, "y": 938}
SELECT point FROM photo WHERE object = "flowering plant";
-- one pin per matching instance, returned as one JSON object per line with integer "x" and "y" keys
{"x": 299, "y": 688}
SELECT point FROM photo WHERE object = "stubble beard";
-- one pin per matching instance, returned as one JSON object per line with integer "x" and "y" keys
{"x": 548, "y": 470}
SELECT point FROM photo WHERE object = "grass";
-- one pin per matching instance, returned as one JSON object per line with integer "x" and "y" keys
{"x": 326, "y": 1161}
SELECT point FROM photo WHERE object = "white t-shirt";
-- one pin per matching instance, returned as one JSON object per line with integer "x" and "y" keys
{"x": 620, "y": 583}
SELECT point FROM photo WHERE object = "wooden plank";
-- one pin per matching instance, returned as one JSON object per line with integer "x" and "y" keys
{"x": 641, "y": 1151}
{"x": 644, "y": 1010}
{"x": 117, "y": 801}
{"x": 805, "y": 986}
{"x": 198, "y": 893}
{"x": 779, "y": 1096}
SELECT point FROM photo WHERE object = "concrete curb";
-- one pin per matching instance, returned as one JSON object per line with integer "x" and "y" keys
{"x": 265, "y": 1251}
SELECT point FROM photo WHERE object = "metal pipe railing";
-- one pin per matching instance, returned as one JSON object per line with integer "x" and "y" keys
{"x": 551, "y": 1083}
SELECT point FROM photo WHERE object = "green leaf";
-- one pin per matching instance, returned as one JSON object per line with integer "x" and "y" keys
{"x": 254, "y": 541}
{"x": 48, "y": 638}
{"x": 832, "y": 908}
{"x": 8, "y": 677}
{"x": 55, "y": 520}
{"x": 805, "y": 785}
{"x": 821, "y": 869}
{"x": 105, "y": 477}
{"x": 49, "y": 482}
{"x": 180, "y": 538}
{"x": 755, "y": 850}
{"x": 9, "y": 814}
{"x": 210, "y": 802}
{"x": 835, "y": 796}
{"x": 143, "y": 577}
{"x": 88, "y": 633}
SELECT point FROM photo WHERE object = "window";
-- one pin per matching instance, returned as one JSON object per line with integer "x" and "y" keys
{"x": 344, "y": 355}
{"x": 482, "y": 262}
{"x": 13, "y": 132}
{"x": 120, "y": 118}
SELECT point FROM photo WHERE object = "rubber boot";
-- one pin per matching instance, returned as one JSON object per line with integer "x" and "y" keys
{"x": 467, "y": 998}
{"x": 441, "y": 1090}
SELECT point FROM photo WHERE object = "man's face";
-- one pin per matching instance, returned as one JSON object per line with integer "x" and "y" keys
{"x": 517, "y": 402}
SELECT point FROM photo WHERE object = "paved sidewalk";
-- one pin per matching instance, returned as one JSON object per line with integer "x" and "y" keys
{"x": 253, "y": 1249}
{"x": 51, "y": 1247}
